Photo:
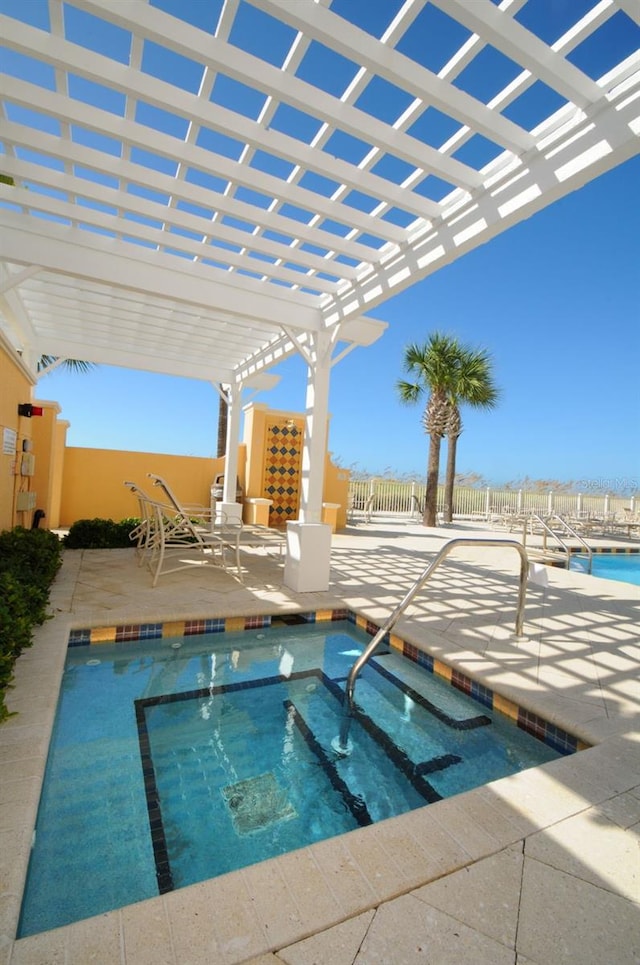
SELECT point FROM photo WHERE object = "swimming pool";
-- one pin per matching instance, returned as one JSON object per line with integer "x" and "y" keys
{"x": 174, "y": 760}
{"x": 611, "y": 566}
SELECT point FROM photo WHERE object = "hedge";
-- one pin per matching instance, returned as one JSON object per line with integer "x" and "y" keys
{"x": 29, "y": 561}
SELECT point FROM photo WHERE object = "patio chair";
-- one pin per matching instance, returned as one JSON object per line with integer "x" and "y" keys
{"x": 199, "y": 514}
{"x": 141, "y": 535}
{"x": 360, "y": 508}
{"x": 220, "y": 531}
{"x": 168, "y": 539}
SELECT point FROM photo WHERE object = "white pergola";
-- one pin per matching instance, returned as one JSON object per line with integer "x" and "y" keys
{"x": 206, "y": 199}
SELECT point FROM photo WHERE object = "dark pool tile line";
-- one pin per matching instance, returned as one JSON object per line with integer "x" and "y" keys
{"x": 206, "y": 692}
{"x": 468, "y": 723}
{"x": 156, "y": 826}
{"x": 355, "y": 804}
{"x": 553, "y": 736}
{"x": 536, "y": 726}
{"x": 393, "y": 751}
{"x": 164, "y": 875}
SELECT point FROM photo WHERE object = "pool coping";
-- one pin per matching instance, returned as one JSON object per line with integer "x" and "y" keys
{"x": 351, "y": 874}
{"x": 417, "y": 652}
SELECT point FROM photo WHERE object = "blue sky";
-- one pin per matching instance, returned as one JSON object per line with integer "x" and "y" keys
{"x": 555, "y": 300}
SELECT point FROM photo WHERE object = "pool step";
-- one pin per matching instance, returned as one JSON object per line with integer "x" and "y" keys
{"x": 553, "y": 557}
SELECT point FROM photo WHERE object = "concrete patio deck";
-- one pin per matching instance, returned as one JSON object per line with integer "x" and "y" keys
{"x": 541, "y": 868}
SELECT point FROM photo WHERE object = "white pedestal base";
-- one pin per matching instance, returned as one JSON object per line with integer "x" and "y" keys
{"x": 308, "y": 562}
{"x": 231, "y": 512}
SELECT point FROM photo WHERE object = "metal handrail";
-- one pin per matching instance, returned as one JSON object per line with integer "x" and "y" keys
{"x": 580, "y": 539}
{"x": 341, "y": 743}
{"x": 570, "y": 531}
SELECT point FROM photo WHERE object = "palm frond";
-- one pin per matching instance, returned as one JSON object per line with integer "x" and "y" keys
{"x": 46, "y": 363}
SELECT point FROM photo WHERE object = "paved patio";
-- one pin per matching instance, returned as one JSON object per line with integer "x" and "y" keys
{"x": 541, "y": 867}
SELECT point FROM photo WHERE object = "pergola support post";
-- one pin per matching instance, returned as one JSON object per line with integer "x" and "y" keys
{"x": 231, "y": 509}
{"x": 308, "y": 561}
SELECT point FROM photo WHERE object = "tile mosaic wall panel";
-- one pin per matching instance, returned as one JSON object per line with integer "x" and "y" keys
{"x": 282, "y": 471}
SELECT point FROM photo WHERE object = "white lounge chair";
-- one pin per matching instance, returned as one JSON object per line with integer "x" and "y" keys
{"x": 168, "y": 539}
{"x": 141, "y": 534}
{"x": 220, "y": 531}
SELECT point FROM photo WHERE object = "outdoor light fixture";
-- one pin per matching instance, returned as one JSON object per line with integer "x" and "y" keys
{"x": 27, "y": 410}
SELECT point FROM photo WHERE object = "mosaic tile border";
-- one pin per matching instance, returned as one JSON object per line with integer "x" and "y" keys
{"x": 536, "y": 726}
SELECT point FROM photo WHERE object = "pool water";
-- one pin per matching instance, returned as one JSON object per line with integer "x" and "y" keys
{"x": 611, "y": 566}
{"x": 173, "y": 761}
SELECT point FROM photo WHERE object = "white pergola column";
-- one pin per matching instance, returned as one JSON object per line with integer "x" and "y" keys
{"x": 229, "y": 506}
{"x": 308, "y": 559}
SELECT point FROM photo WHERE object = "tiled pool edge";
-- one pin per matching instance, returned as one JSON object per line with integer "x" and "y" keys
{"x": 533, "y": 724}
{"x": 596, "y": 550}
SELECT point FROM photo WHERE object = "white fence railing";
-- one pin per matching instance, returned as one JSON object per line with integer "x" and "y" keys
{"x": 393, "y": 496}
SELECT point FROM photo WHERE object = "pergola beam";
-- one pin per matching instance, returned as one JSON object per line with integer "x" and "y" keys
{"x": 81, "y": 254}
{"x": 235, "y": 63}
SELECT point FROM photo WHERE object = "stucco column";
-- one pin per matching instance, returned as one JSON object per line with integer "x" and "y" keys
{"x": 307, "y": 564}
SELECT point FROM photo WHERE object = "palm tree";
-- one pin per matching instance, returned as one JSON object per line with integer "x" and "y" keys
{"x": 434, "y": 366}
{"x": 452, "y": 374}
{"x": 474, "y": 385}
{"x": 223, "y": 414}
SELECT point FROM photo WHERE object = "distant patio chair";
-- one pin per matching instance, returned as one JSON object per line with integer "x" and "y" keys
{"x": 359, "y": 506}
{"x": 367, "y": 511}
{"x": 417, "y": 507}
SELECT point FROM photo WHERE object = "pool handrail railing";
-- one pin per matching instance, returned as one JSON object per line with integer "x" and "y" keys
{"x": 342, "y": 743}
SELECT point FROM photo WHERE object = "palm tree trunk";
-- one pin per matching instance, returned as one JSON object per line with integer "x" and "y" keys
{"x": 452, "y": 444}
{"x": 433, "y": 470}
{"x": 222, "y": 427}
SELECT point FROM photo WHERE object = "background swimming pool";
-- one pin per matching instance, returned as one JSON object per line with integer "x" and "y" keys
{"x": 611, "y": 566}
{"x": 169, "y": 766}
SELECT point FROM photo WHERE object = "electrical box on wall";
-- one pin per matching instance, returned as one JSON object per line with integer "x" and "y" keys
{"x": 25, "y": 502}
{"x": 27, "y": 464}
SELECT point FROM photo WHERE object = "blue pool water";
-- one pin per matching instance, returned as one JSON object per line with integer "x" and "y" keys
{"x": 173, "y": 761}
{"x": 611, "y": 566}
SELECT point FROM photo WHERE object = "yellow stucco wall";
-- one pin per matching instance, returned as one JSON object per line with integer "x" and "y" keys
{"x": 60, "y": 443}
{"x": 15, "y": 388}
{"x": 92, "y": 482}
{"x": 336, "y": 489}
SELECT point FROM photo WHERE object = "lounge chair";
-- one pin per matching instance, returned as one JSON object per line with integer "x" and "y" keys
{"x": 141, "y": 534}
{"x": 168, "y": 539}
{"x": 218, "y": 530}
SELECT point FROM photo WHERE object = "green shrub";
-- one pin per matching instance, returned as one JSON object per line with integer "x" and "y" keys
{"x": 95, "y": 534}
{"x": 31, "y": 555}
{"x": 29, "y": 561}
